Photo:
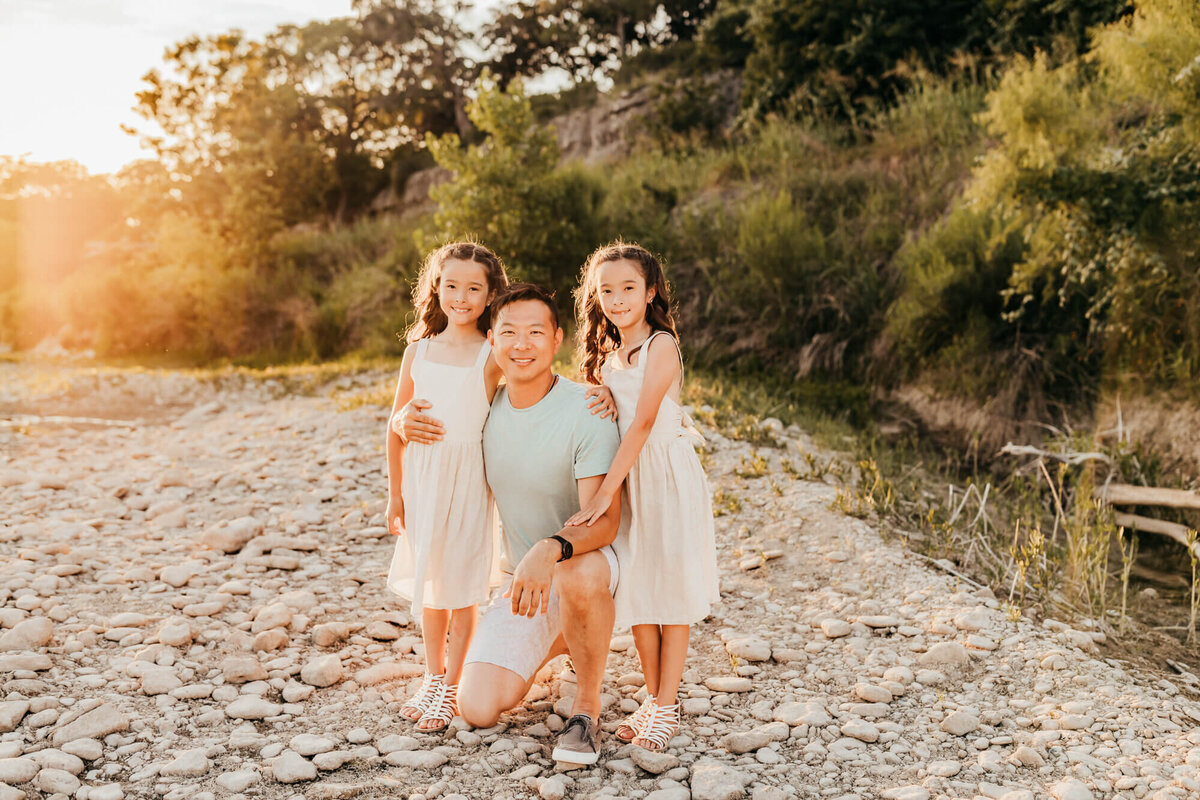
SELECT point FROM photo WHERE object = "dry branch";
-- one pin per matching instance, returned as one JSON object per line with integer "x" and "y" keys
{"x": 1173, "y": 529}
{"x": 1124, "y": 494}
{"x": 1068, "y": 458}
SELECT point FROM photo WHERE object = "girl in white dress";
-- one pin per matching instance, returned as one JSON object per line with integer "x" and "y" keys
{"x": 668, "y": 560}
{"x": 439, "y": 505}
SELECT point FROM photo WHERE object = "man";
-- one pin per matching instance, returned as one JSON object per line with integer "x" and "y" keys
{"x": 546, "y": 455}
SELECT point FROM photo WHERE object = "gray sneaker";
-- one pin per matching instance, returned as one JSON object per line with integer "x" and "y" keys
{"x": 579, "y": 742}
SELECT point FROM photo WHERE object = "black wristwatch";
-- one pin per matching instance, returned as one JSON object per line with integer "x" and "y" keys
{"x": 568, "y": 549}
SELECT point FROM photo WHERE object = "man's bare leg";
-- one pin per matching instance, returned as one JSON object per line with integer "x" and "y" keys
{"x": 488, "y": 690}
{"x": 587, "y": 611}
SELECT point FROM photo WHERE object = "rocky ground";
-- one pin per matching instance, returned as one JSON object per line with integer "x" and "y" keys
{"x": 192, "y": 605}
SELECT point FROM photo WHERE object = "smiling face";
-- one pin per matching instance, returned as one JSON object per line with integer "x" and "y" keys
{"x": 623, "y": 293}
{"x": 524, "y": 340}
{"x": 463, "y": 291}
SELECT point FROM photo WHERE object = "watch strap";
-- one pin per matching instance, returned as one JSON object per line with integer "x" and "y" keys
{"x": 567, "y": 548}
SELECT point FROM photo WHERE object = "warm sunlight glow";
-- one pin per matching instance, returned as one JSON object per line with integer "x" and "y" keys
{"x": 72, "y": 67}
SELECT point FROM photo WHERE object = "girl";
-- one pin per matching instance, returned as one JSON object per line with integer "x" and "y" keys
{"x": 668, "y": 564}
{"x": 438, "y": 500}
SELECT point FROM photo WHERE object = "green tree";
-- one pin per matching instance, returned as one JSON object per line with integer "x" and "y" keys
{"x": 507, "y": 192}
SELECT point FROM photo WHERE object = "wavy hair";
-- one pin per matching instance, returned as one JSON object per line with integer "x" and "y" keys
{"x": 431, "y": 320}
{"x": 597, "y": 335}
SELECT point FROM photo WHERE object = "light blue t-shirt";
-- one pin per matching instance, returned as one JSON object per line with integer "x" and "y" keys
{"x": 533, "y": 456}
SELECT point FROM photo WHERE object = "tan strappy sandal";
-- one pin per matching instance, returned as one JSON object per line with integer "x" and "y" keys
{"x": 418, "y": 704}
{"x": 631, "y": 728}
{"x": 660, "y": 728}
{"x": 442, "y": 708}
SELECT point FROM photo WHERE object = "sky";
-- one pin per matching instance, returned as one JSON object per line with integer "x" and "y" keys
{"x": 70, "y": 69}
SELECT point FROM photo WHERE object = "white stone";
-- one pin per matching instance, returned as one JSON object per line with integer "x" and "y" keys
{"x": 322, "y": 671}
{"x": 18, "y": 770}
{"x": 250, "y": 707}
{"x": 291, "y": 767}
{"x": 809, "y": 713}
{"x": 106, "y": 791}
{"x": 1071, "y": 789}
{"x": 835, "y": 628}
{"x": 238, "y": 781}
{"x": 960, "y": 723}
{"x": 711, "y": 780}
{"x": 189, "y": 763}
{"x": 31, "y": 634}
{"x": 951, "y": 653}
{"x": 306, "y": 744}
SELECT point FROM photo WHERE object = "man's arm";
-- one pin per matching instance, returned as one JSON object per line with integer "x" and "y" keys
{"x": 530, "y": 592}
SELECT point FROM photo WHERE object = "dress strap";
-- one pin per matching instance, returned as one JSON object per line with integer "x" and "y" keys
{"x": 484, "y": 351}
{"x": 645, "y": 347}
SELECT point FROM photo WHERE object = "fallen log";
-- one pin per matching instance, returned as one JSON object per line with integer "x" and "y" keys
{"x": 1172, "y": 529}
{"x": 1124, "y": 494}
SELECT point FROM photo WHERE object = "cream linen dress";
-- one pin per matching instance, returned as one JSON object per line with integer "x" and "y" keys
{"x": 668, "y": 559}
{"x": 447, "y": 555}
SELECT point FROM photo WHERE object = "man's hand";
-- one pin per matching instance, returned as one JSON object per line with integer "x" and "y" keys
{"x": 593, "y": 511}
{"x": 530, "y": 590}
{"x": 395, "y": 516}
{"x": 600, "y": 401}
{"x": 413, "y": 426}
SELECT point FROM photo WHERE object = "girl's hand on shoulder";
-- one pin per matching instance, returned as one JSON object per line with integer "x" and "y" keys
{"x": 593, "y": 511}
{"x": 600, "y": 401}
{"x": 395, "y": 516}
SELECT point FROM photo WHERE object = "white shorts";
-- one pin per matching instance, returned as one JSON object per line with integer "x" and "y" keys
{"x": 521, "y": 644}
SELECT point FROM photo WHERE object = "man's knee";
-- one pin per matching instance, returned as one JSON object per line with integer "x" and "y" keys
{"x": 486, "y": 692}
{"x": 477, "y": 710}
{"x": 584, "y": 578}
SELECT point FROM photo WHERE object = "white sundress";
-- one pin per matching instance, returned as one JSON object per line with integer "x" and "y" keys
{"x": 668, "y": 559}
{"x": 447, "y": 555}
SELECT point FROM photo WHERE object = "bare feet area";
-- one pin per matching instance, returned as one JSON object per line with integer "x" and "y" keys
{"x": 192, "y": 605}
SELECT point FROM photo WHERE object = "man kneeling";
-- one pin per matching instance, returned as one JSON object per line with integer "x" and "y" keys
{"x": 545, "y": 456}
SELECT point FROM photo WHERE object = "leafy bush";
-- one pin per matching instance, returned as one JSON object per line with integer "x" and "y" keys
{"x": 507, "y": 192}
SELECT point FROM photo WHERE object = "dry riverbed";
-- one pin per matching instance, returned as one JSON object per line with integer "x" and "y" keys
{"x": 192, "y": 606}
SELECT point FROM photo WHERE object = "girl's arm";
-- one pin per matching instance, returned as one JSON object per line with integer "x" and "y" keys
{"x": 491, "y": 376}
{"x": 395, "y": 446}
{"x": 662, "y": 370}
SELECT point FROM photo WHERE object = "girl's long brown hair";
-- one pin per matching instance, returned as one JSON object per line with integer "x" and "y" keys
{"x": 597, "y": 335}
{"x": 431, "y": 320}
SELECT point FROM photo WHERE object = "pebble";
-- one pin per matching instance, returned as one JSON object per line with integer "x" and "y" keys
{"x": 951, "y": 653}
{"x": 94, "y": 724}
{"x": 322, "y": 671}
{"x": 552, "y": 788}
{"x": 1071, "y": 789}
{"x": 189, "y": 763}
{"x": 712, "y": 780}
{"x": 291, "y": 767}
{"x": 872, "y": 694}
{"x": 57, "y": 781}
{"x": 653, "y": 762}
{"x": 250, "y": 707}
{"x": 861, "y": 730}
{"x": 238, "y": 781}
{"x": 18, "y": 770}
{"x": 960, "y": 723}
{"x": 835, "y": 628}
{"x": 729, "y": 684}
{"x": 31, "y": 634}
